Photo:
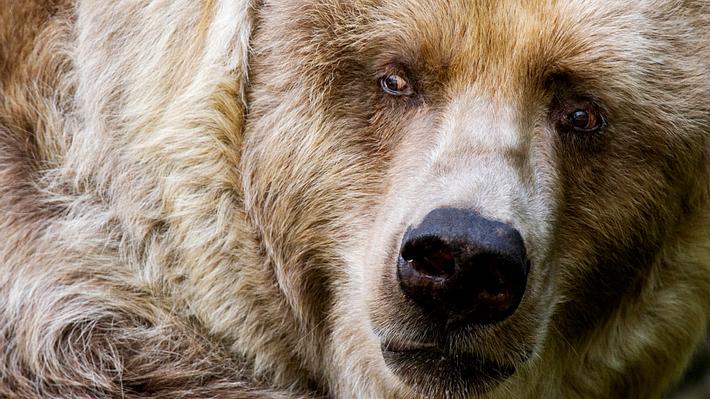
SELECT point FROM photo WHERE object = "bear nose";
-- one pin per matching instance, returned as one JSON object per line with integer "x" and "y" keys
{"x": 463, "y": 268}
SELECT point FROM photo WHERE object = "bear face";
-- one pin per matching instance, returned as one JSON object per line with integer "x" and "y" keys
{"x": 352, "y": 198}
{"x": 569, "y": 123}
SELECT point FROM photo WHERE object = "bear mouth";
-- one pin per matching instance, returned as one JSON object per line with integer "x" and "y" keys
{"x": 436, "y": 372}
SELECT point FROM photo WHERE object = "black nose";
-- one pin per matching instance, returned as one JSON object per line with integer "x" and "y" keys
{"x": 463, "y": 268}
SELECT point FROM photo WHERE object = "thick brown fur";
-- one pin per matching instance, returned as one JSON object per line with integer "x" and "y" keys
{"x": 204, "y": 199}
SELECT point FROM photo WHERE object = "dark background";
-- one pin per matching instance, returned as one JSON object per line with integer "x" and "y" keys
{"x": 696, "y": 383}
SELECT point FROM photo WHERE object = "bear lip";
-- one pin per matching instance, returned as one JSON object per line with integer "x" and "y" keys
{"x": 404, "y": 347}
{"x": 408, "y": 346}
{"x": 419, "y": 364}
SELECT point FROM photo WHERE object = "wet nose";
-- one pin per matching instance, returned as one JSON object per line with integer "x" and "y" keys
{"x": 463, "y": 268}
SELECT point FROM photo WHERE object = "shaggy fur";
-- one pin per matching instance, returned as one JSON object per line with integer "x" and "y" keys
{"x": 160, "y": 241}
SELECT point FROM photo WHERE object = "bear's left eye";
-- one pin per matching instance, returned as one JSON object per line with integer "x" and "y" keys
{"x": 395, "y": 85}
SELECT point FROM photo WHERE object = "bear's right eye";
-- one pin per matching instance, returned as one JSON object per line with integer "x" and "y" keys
{"x": 395, "y": 85}
{"x": 585, "y": 120}
{"x": 580, "y": 116}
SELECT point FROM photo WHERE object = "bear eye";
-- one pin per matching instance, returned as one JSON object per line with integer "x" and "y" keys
{"x": 583, "y": 120}
{"x": 395, "y": 85}
{"x": 582, "y": 116}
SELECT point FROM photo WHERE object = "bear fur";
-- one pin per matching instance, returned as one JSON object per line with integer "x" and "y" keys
{"x": 205, "y": 199}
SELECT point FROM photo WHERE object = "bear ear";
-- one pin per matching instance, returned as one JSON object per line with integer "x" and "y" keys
{"x": 151, "y": 59}
{"x": 229, "y": 38}
{"x": 163, "y": 85}
{"x": 161, "y": 65}
{"x": 226, "y": 61}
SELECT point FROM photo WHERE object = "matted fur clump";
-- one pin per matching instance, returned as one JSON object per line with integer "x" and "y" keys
{"x": 352, "y": 199}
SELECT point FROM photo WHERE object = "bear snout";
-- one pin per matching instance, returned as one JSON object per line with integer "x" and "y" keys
{"x": 463, "y": 269}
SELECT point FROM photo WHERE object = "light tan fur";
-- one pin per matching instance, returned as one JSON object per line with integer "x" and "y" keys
{"x": 205, "y": 199}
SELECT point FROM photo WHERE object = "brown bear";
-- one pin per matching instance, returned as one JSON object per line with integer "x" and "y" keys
{"x": 352, "y": 198}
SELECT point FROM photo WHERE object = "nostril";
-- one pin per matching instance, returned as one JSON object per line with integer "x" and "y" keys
{"x": 496, "y": 284}
{"x": 493, "y": 282}
{"x": 429, "y": 256}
